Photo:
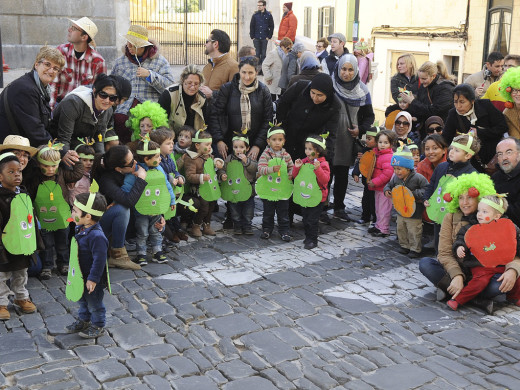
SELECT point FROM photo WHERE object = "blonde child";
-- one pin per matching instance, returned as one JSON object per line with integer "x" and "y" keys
{"x": 315, "y": 154}
{"x": 383, "y": 172}
{"x": 275, "y": 142}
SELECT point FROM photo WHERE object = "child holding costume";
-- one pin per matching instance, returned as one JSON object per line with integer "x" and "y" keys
{"x": 92, "y": 257}
{"x": 194, "y": 161}
{"x": 47, "y": 186}
{"x": 315, "y": 151}
{"x": 269, "y": 166}
{"x": 155, "y": 200}
{"x": 86, "y": 155}
{"x": 20, "y": 238}
{"x": 144, "y": 118}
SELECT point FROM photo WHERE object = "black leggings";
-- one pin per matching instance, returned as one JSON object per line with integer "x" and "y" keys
{"x": 340, "y": 175}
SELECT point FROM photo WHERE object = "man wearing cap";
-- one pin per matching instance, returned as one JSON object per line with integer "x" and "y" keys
{"x": 147, "y": 70}
{"x": 82, "y": 62}
{"x": 337, "y": 49}
{"x": 288, "y": 24}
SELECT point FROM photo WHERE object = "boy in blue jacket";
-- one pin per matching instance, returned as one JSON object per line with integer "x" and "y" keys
{"x": 92, "y": 256}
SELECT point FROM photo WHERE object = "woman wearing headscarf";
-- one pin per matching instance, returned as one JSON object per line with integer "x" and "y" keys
{"x": 290, "y": 65}
{"x": 358, "y": 119}
{"x": 403, "y": 129}
{"x": 309, "y": 67}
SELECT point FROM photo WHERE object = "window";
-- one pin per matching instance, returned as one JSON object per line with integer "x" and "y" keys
{"x": 325, "y": 21}
{"x": 498, "y": 27}
{"x": 307, "y": 17}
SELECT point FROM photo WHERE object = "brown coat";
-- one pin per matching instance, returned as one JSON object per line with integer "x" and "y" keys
{"x": 194, "y": 168}
{"x": 513, "y": 121}
{"x": 223, "y": 71}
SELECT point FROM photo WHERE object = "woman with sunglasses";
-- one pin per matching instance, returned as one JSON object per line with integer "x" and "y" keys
{"x": 403, "y": 129}
{"x": 84, "y": 112}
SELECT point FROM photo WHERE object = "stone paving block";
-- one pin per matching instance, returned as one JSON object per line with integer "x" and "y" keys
{"x": 159, "y": 310}
{"x": 339, "y": 375}
{"x": 91, "y": 353}
{"x": 180, "y": 342}
{"x": 291, "y": 370}
{"x": 182, "y": 366}
{"x": 468, "y": 338}
{"x": 215, "y": 307}
{"x": 25, "y": 373}
{"x": 156, "y": 382}
{"x": 10, "y": 344}
{"x": 118, "y": 353}
{"x": 160, "y": 351}
{"x": 254, "y": 382}
{"x": 236, "y": 369}
{"x": 324, "y": 327}
{"x": 32, "y": 322}
{"x": 292, "y": 302}
{"x": 159, "y": 367}
{"x": 108, "y": 370}
{"x": 399, "y": 377}
{"x": 197, "y": 383}
{"x": 48, "y": 309}
{"x": 59, "y": 355}
{"x": 85, "y": 379}
{"x": 358, "y": 385}
{"x": 14, "y": 367}
{"x": 424, "y": 314}
{"x": 133, "y": 336}
{"x": 290, "y": 279}
{"x": 69, "y": 385}
{"x": 160, "y": 327}
{"x": 305, "y": 384}
{"x": 319, "y": 377}
{"x": 173, "y": 321}
{"x": 216, "y": 376}
{"x": 123, "y": 383}
{"x": 450, "y": 375}
{"x": 188, "y": 313}
{"x": 353, "y": 306}
{"x": 195, "y": 356}
{"x": 268, "y": 346}
{"x": 17, "y": 356}
{"x": 232, "y": 326}
{"x": 277, "y": 379}
{"x": 71, "y": 341}
{"x": 290, "y": 337}
{"x": 48, "y": 378}
{"x": 188, "y": 295}
{"x": 254, "y": 360}
{"x": 64, "y": 365}
{"x": 138, "y": 367}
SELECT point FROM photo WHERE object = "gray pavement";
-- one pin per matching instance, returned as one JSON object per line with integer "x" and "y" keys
{"x": 232, "y": 312}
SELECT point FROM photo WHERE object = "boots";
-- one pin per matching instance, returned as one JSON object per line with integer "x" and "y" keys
{"x": 195, "y": 230}
{"x": 207, "y": 230}
{"x": 119, "y": 259}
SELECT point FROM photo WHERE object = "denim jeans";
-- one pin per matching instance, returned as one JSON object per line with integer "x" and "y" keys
{"x": 59, "y": 240}
{"x": 281, "y": 208}
{"x": 114, "y": 223}
{"x": 435, "y": 273}
{"x": 145, "y": 229}
{"x": 261, "y": 49}
{"x": 91, "y": 307}
{"x": 242, "y": 213}
{"x": 311, "y": 218}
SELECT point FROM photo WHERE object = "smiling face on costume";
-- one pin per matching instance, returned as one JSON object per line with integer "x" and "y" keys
{"x": 239, "y": 147}
{"x": 433, "y": 152}
{"x": 145, "y": 126}
{"x": 11, "y": 175}
{"x": 467, "y": 204}
{"x": 486, "y": 213}
{"x": 203, "y": 148}
{"x": 347, "y": 73}
{"x": 276, "y": 142}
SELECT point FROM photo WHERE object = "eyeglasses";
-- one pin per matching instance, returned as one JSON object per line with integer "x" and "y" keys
{"x": 21, "y": 154}
{"x": 436, "y": 129}
{"x": 191, "y": 84}
{"x": 103, "y": 95}
{"x": 515, "y": 91}
{"x": 74, "y": 28}
{"x": 129, "y": 165}
{"x": 48, "y": 65}
{"x": 508, "y": 153}
{"x": 210, "y": 40}
{"x": 319, "y": 46}
{"x": 399, "y": 123}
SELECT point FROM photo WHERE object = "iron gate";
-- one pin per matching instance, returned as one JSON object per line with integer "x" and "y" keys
{"x": 182, "y": 26}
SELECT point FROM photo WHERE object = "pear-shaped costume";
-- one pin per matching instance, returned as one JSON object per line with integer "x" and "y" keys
{"x": 19, "y": 234}
{"x": 210, "y": 190}
{"x": 155, "y": 199}
{"x": 236, "y": 188}
{"x": 51, "y": 207}
{"x": 437, "y": 209}
{"x": 307, "y": 192}
{"x": 75, "y": 284}
{"x": 277, "y": 185}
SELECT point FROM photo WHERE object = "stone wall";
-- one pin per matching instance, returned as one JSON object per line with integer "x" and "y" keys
{"x": 29, "y": 24}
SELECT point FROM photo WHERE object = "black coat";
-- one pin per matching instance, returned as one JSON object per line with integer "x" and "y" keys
{"x": 30, "y": 110}
{"x": 510, "y": 183}
{"x": 261, "y": 25}
{"x": 300, "y": 118}
{"x": 399, "y": 80}
{"x": 434, "y": 100}
{"x": 226, "y": 118}
{"x": 491, "y": 126}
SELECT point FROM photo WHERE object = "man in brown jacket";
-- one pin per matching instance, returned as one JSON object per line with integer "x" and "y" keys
{"x": 220, "y": 67}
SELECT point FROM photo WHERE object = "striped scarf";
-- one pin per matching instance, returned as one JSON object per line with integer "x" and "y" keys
{"x": 245, "y": 104}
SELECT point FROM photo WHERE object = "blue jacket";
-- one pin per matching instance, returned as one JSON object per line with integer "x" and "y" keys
{"x": 261, "y": 26}
{"x": 168, "y": 185}
{"x": 446, "y": 168}
{"x": 92, "y": 252}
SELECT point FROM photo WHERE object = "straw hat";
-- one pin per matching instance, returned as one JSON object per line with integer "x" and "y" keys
{"x": 138, "y": 36}
{"x": 19, "y": 143}
{"x": 86, "y": 25}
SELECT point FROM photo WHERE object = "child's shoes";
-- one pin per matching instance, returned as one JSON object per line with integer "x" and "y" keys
{"x": 25, "y": 305}
{"x": 404, "y": 251}
{"x": 45, "y": 274}
{"x": 248, "y": 230}
{"x": 310, "y": 245}
{"x": 285, "y": 237}
{"x": 453, "y": 304}
{"x": 195, "y": 230}
{"x": 159, "y": 257}
{"x": 265, "y": 235}
{"x": 92, "y": 332}
{"x": 77, "y": 326}
{"x": 414, "y": 255}
{"x": 4, "y": 313}
{"x": 207, "y": 230}
{"x": 141, "y": 260}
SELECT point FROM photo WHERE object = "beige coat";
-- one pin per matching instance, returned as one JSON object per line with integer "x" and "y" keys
{"x": 513, "y": 121}
{"x": 272, "y": 69}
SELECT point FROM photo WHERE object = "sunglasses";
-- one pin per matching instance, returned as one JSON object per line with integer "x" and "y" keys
{"x": 103, "y": 95}
{"x": 210, "y": 40}
{"x": 399, "y": 123}
{"x": 436, "y": 129}
{"x": 129, "y": 165}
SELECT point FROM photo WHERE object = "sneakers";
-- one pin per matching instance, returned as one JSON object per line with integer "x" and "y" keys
{"x": 4, "y": 313}
{"x": 342, "y": 215}
{"x": 227, "y": 224}
{"x": 64, "y": 270}
{"x": 310, "y": 245}
{"x": 77, "y": 326}
{"x": 237, "y": 231}
{"x": 324, "y": 218}
{"x": 377, "y": 233}
{"x": 141, "y": 260}
{"x": 453, "y": 304}
{"x": 285, "y": 237}
{"x": 265, "y": 235}
{"x": 25, "y": 305}
{"x": 372, "y": 229}
{"x": 159, "y": 257}
{"x": 248, "y": 231}
{"x": 92, "y": 332}
{"x": 45, "y": 274}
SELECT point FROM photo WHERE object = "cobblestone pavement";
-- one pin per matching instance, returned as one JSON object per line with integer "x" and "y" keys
{"x": 243, "y": 313}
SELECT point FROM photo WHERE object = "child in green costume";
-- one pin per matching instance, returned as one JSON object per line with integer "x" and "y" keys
{"x": 275, "y": 151}
{"x": 17, "y": 222}
{"x": 110, "y": 139}
{"x": 86, "y": 155}
{"x": 92, "y": 258}
{"x": 47, "y": 186}
{"x": 315, "y": 152}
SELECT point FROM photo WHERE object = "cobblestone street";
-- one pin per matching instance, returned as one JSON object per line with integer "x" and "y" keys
{"x": 239, "y": 313}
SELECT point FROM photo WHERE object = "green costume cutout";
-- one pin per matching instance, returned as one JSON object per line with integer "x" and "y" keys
{"x": 210, "y": 190}
{"x": 437, "y": 209}
{"x": 51, "y": 207}
{"x": 155, "y": 199}
{"x": 307, "y": 192}
{"x": 277, "y": 185}
{"x": 236, "y": 188}
{"x": 19, "y": 235}
{"x": 75, "y": 284}
{"x": 179, "y": 192}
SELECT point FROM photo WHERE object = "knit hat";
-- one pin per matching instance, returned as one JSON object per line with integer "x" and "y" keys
{"x": 402, "y": 158}
{"x": 433, "y": 119}
{"x": 288, "y": 5}
{"x": 323, "y": 83}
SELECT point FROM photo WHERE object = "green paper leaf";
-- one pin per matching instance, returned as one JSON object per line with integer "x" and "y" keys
{"x": 236, "y": 188}
{"x": 437, "y": 209}
{"x": 75, "y": 284}
{"x": 94, "y": 187}
{"x": 307, "y": 192}
{"x": 277, "y": 185}
{"x": 19, "y": 235}
{"x": 179, "y": 192}
{"x": 155, "y": 199}
{"x": 210, "y": 190}
{"x": 52, "y": 213}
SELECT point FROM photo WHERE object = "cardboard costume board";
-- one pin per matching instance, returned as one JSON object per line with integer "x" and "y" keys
{"x": 277, "y": 185}
{"x": 404, "y": 201}
{"x": 210, "y": 190}
{"x": 437, "y": 209}
{"x": 306, "y": 191}
{"x": 155, "y": 199}
{"x": 51, "y": 207}
{"x": 19, "y": 235}
{"x": 236, "y": 188}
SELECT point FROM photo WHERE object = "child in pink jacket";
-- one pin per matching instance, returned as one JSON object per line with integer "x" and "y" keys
{"x": 383, "y": 172}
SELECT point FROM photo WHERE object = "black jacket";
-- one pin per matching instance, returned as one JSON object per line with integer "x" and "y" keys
{"x": 509, "y": 183}
{"x": 300, "y": 118}
{"x": 401, "y": 81}
{"x": 30, "y": 109}
{"x": 110, "y": 183}
{"x": 491, "y": 126}
{"x": 434, "y": 100}
{"x": 332, "y": 59}
{"x": 261, "y": 26}
{"x": 226, "y": 117}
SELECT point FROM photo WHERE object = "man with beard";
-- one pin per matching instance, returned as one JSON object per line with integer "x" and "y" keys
{"x": 507, "y": 178}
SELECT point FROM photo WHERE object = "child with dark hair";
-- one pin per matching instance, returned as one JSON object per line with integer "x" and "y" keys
{"x": 86, "y": 155}
{"x": 92, "y": 257}
{"x": 110, "y": 139}
{"x": 186, "y": 133}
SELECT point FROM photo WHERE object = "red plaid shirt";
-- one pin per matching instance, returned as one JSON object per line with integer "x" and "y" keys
{"x": 76, "y": 72}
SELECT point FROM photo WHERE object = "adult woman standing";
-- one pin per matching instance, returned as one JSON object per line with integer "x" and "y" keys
{"x": 358, "y": 119}
{"x": 309, "y": 67}
{"x": 109, "y": 171}
{"x": 272, "y": 66}
{"x": 480, "y": 117}
{"x": 184, "y": 103}
{"x": 435, "y": 93}
{"x": 510, "y": 91}
{"x": 290, "y": 65}
{"x": 147, "y": 70}
{"x": 27, "y": 99}
{"x": 406, "y": 76}
{"x": 243, "y": 103}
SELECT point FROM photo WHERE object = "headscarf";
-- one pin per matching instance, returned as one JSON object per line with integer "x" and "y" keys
{"x": 408, "y": 118}
{"x": 308, "y": 61}
{"x": 323, "y": 83}
{"x": 354, "y": 92}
